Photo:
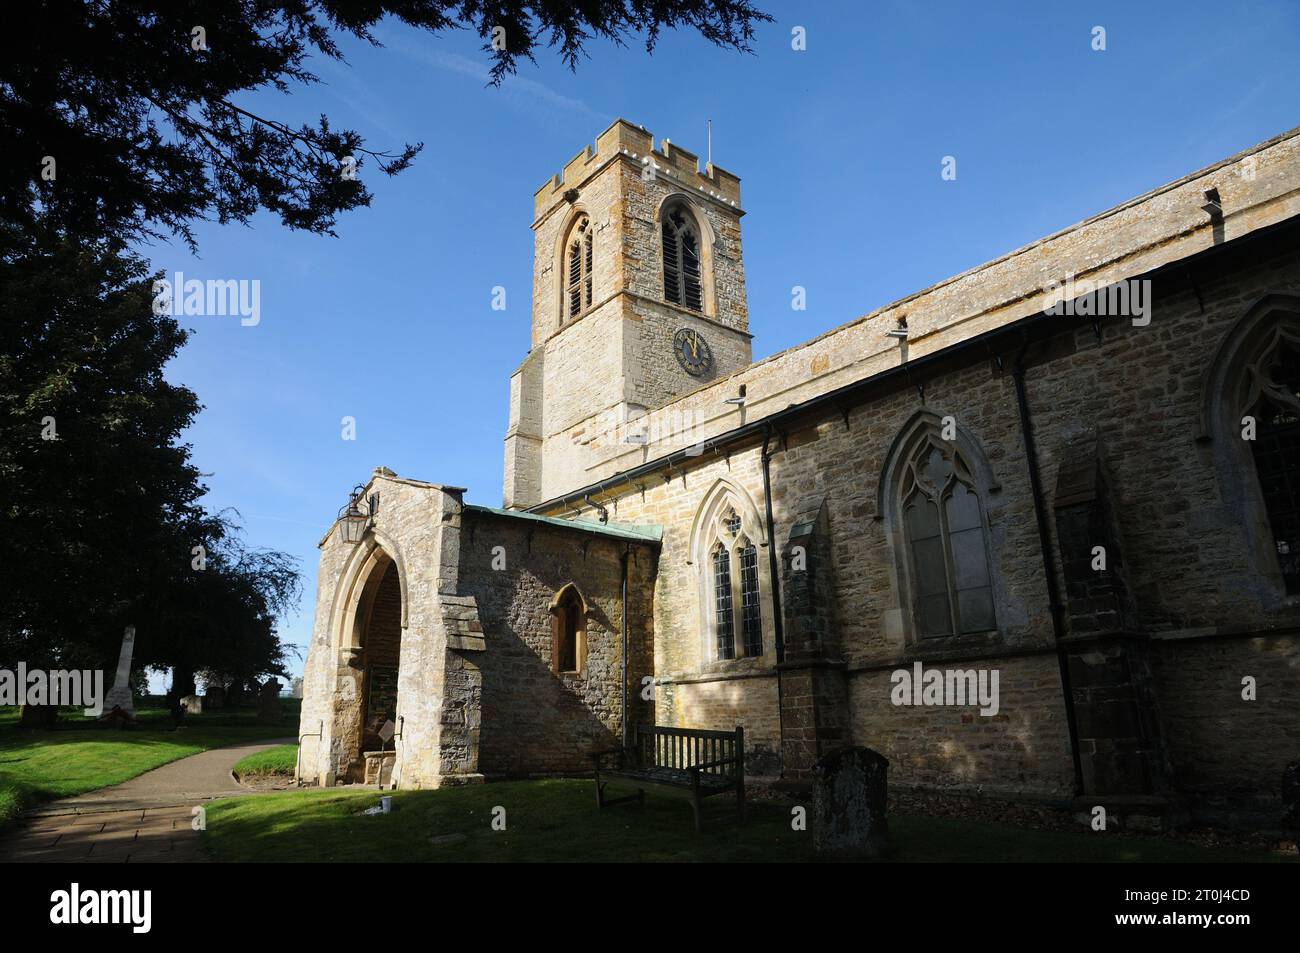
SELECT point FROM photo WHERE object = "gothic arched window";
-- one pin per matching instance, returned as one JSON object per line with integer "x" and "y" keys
{"x": 1250, "y": 418}
{"x": 943, "y": 526}
{"x": 737, "y": 617}
{"x": 681, "y": 251}
{"x": 577, "y": 271}
{"x": 1274, "y": 408}
{"x": 568, "y": 631}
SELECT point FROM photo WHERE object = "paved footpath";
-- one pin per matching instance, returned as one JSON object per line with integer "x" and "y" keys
{"x": 145, "y": 820}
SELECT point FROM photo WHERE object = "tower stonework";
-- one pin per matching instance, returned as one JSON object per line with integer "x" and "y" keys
{"x": 602, "y": 357}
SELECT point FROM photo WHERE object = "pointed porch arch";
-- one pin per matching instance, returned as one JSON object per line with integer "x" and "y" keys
{"x": 368, "y": 618}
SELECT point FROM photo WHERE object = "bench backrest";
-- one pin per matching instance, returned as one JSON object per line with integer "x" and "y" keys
{"x": 663, "y": 747}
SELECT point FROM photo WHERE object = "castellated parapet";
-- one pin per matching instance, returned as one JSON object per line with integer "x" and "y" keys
{"x": 634, "y": 144}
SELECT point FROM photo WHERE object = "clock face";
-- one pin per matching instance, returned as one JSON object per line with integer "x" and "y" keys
{"x": 692, "y": 352}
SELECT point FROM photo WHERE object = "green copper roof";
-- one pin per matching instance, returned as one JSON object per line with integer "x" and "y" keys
{"x": 641, "y": 534}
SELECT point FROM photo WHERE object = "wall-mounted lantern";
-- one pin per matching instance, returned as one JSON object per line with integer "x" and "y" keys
{"x": 355, "y": 517}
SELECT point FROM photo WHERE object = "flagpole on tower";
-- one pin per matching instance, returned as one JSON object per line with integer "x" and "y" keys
{"x": 710, "y": 142}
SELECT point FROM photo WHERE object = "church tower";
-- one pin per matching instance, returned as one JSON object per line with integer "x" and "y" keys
{"x": 638, "y": 298}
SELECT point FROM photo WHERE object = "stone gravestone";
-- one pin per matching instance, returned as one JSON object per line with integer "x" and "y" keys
{"x": 849, "y": 794}
{"x": 119, "y": 696}
{"x": 268, "y": 702}
{"x": 379, "y": 764}
{"x": 192, "y": 705}
{"x": 214, "y": 698}
{"x": 1291, "y": 801}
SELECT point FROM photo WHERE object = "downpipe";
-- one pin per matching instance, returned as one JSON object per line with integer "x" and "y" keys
{"x": 778, "y": 626}
{"x": 1049, "y": 567}
{"x": 623, "y": 626}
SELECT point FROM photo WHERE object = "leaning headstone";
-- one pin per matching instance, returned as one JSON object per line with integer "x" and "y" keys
{"x": 192, "y": 704}
{"x": 268, "y": 702}
{"x": 849, "y": 794}
{"x": 214, "y": 698}
{"x": 119, "y": 696}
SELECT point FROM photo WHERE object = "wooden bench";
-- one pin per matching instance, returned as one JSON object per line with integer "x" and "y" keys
{"x": 691, "y": 763}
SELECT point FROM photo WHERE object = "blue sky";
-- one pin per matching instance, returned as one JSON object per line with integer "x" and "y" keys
{"x": 838, "y": 148}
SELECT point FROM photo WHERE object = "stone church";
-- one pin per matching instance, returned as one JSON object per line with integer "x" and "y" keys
{"x": 1070, "y": 475}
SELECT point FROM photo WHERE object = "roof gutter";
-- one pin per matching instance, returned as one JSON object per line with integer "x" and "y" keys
{"x": 840, "y": 397}
{"x": 850, "y": 395}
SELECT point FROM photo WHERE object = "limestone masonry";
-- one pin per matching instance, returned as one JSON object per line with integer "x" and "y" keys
{"x": 1072, "y": 473}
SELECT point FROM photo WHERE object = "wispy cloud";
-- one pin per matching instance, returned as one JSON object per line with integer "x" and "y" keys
{"x": 340, "y": 82}
{"x": 522, "y": 91}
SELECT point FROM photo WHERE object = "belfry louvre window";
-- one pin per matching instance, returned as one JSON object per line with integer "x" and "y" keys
{"x": 681, "y": 249}
{"x": 577, "y": 276}
{"x": 944, "y": 528}
{"x": 1276, "y": 450}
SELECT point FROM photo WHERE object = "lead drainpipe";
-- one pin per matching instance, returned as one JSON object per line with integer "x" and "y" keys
{"x": 1049, "y": 568}
{"x": 778, "y": 627}
{"x": 604, "y": 513}
{"x": 626, "y": 553}
{"x": 773, "y": 569}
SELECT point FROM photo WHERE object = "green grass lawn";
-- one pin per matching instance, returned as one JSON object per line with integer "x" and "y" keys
{"x": 558, "y": 821}
{"x": 280, "y": 761}
{"x": 76, "y": 755}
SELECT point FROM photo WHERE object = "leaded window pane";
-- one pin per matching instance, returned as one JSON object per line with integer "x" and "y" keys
{"x": 947, "y": 546}
{"x": 963, "y": 509}
{"x": 936, "y": 615}
{"x": 722, "y": 603}
{"x": 969, "y": 561}
{"x": 931, "y": 575}
{"x": 975, "y": 609}
{"x": 751, "y": 621}
{"x": 922, "y": 518}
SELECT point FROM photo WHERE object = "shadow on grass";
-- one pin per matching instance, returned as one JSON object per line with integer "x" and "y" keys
{"x": 77, "y": 755}
{"x": 557, "y": 821}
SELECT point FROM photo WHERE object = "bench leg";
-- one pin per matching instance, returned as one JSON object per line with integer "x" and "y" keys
{"x": 695, "y": 806}
{"x": 740, "y": 804}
